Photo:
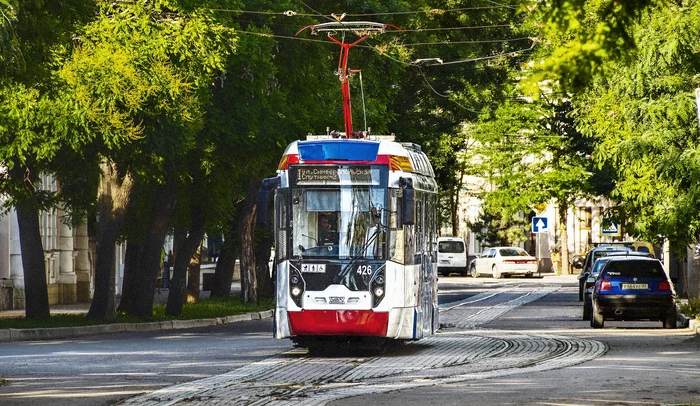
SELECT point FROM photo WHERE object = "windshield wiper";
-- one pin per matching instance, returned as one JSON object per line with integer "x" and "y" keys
{"x": 379, "y": 228}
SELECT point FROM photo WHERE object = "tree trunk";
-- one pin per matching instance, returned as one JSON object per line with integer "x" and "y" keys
{"x": 564, "y": 234}
{"x": 113, "y": 201}
{"x": 132, "y": 257}
{"x": 249, "y": 283}
{"x": 186, "y": 245}
{"x": 455, "y": 202}
{"x": 264, "y": 238}
{"x": 179, "y": 277}
{"x": 132, "y": 260}
{"x": 223, "y": 275}
{"x": 147, "y": 274}
{"x": 193, "y": 274}
{"x": 35, "y": 288}
{"x": 694, "y": 271}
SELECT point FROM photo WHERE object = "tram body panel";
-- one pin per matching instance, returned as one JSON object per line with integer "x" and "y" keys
{"x": 386, "y": 289}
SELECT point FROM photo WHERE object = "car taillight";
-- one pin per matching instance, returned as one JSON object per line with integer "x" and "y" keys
{"x": 531, "y": 261}
{"x": 510, "y": 261}
{"x": 605, "y": 285}
{"x": 664, "y": 285}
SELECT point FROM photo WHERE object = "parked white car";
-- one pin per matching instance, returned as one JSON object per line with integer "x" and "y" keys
{"x": 500, "y": 261}
{"x": 452, "y": 256}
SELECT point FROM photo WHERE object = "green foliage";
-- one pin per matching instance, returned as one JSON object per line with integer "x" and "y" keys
{"x": 643, "y": 118}
{"x": 580, "y": 36}
{"x": 494, "y": 230}
{"x": 529, "y": 153}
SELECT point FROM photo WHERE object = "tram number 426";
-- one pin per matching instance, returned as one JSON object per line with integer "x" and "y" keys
{"x": 364, "y": 270}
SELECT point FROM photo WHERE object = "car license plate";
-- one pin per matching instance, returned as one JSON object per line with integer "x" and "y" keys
{"x": 336, "y": 300}
{"x": 635, "y": 286}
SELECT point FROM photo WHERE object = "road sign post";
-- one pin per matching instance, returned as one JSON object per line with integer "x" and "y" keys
{"x": 540, "y": 225}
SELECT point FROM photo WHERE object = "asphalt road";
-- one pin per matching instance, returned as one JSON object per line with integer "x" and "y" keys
{"x": 642, "y": 363}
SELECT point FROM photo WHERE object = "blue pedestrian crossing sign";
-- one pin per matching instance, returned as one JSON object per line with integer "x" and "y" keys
{"x": 609, "y": 227}
{"x": 539, "y": 225}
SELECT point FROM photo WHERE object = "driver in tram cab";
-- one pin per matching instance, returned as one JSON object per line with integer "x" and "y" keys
{"x": 326, "y": 234}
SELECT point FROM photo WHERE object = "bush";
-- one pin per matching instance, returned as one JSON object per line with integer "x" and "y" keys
{"x": 691, "y": 308}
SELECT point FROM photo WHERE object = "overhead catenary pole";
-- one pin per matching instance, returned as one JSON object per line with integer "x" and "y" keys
{"x": 363, "y": 29}
{"x": 344, "y": 78}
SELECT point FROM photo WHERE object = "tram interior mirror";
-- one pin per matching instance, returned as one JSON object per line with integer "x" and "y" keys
{"x": 409, "y": 207}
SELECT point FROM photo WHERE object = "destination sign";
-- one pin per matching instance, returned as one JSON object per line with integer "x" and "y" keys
{"x": 337, "y": 175}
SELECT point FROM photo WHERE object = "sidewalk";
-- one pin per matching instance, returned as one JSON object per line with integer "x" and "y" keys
{"x": 161, "y": 296}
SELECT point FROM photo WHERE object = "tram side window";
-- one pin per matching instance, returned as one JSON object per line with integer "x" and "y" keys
{"x": 396, "y": 234}
{"x": 282, "y": 223}
{"x": 432, "y": 221}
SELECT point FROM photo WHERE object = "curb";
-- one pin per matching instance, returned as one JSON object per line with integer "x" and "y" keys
{"x": 34, "y": 334}
{"x": 692, "y": 324}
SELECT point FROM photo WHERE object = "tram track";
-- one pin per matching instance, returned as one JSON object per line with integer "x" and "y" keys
{"x": 461, "y": 351}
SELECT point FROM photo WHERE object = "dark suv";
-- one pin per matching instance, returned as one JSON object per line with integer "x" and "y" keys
{"x": 633, "y": 288}
{"x": 591, "y": 257}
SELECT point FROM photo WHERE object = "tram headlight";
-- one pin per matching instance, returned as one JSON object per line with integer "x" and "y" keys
{"x": 296, "y": 286}
{"x": 377, "y": 287}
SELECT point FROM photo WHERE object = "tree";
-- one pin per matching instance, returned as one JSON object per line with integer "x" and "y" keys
{"x": 33, "y": 33}
{"x": 143, "y": 74}
{"x": 643, "y": 118}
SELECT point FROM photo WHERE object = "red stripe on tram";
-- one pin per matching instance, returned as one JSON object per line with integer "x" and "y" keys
{"x": 339, "y": 322}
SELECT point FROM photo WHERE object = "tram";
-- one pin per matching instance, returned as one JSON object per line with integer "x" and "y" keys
{"x": 355, "y": 241}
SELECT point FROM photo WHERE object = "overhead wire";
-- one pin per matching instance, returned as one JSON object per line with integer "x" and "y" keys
{"x": 500, "y": 5}
{"x": 292, "y": 13}
{"x": 476, "y": 41}
{"x": 447, "y": 96}
{"x": 507, "y": 53}
{"x": 431, "y": 11}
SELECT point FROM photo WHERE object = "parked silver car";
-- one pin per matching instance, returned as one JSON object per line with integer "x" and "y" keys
{"x": 500, "y": 261}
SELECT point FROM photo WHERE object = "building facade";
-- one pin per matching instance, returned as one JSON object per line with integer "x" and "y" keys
{"x": 67, "y": 258}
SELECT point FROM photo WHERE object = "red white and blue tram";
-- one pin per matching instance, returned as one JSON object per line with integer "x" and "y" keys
{"x": 355, "y": 241}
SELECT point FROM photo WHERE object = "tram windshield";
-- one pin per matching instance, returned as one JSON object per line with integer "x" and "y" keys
{"x": 339, "y": 223}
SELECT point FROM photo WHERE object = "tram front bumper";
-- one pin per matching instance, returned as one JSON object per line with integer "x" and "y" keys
{"x": 339, "y": 322}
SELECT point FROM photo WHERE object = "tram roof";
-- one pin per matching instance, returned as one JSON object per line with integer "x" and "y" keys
{"x": 336, "y": 150}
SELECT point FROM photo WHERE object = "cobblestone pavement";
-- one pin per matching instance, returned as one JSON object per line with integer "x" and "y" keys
{"x": 461, "y": 351}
